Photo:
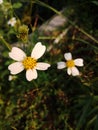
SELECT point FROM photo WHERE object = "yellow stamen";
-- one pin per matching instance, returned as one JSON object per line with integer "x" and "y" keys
{"x": 29, "y": 63}
{"x": 70, "y": 63}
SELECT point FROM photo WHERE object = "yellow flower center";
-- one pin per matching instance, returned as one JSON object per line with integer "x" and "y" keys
{"x": 70, "y": 63}
{"x": 29, "y": 63}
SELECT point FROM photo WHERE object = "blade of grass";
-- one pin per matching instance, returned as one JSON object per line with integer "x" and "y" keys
{"x": 59, "y": 13}
{"x": 90, "y": 123}
{"x": 96, "y": 124}
{"x": 84, "y": 114}
{"x": 85, "y": 42}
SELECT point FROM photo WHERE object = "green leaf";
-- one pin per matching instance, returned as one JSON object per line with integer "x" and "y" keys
{"x": 17, "y": 5}
{"x": 95, "y": 2}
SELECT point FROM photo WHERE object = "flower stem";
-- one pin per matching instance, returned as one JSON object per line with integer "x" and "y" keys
{"x": 5, "y": 43}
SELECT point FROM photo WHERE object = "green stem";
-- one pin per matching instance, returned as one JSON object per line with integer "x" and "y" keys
{"x": 43, "y": 37}
{"x": 47, "y": 6}
{"x": 13, "y": 12}
{"x": 72, "y": 23}
{"x": 83, "y": 41}
{"x": 5, "y": 43}
{"x": 84, "y": 32}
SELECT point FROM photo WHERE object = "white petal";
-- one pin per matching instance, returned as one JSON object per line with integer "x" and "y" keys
{"x": 17, "y": 54}
{"x": 68, "y": 56}
{"x": 38, "y": 50}
{"x": 12, "y": 24}
{"x": 9, "y": 22}
{"x": 61, "y": 65}
{"x": 1, "y": 1}
{"x": 42, "y": 66}
{"x": 31, "y": 74}
{"x": 69, "y": 71}
{"x": 10, "y": 77}
{"x": 16, "y": 67}
{"x": 78, "y": 62}
{"x": 12, "y": 21}
{"x": 75, "y": 71}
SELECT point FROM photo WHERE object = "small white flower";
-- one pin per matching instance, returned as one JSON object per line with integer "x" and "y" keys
{"x": 29, "y": 63}
{"x": 12, "y": 21}
{"x": 1, "y": 1}
{"x": 70, "y": 64}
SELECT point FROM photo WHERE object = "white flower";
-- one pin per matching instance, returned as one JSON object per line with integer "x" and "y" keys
{"x": 70, "y": 64}
{"x": 1, "y": 1}
{"x": 12, "y": 21}
{"x": 29, "y": 63}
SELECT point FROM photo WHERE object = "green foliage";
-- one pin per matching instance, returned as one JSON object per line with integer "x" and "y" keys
{"x": 95, "y": 2}
{"x": 55, "y": 100}
{"x": 17, "y": 5}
